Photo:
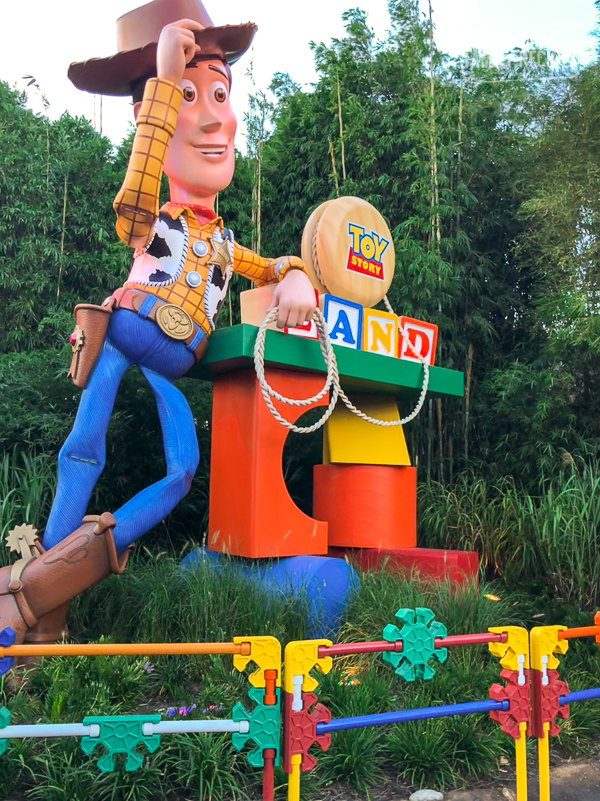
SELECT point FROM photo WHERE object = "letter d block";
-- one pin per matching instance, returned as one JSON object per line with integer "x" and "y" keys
{"x": 422, "y": 336}
{"x": 380, "y": 333}
{"x": 344, "y": 321}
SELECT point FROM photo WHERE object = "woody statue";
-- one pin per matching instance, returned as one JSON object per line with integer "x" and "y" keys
{"x": 176, "y": 66}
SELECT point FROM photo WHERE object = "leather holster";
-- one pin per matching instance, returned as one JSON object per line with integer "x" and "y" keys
{"x": 91, "y": 324}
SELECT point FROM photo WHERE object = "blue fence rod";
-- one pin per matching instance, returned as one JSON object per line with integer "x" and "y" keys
{"x": 405, "y": 715}
{"x": 582, "y": 695}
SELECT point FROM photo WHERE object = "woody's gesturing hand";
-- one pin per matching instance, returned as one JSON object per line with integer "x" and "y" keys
{"x": 295, "y": 297}
{"x": 176, "y": 48}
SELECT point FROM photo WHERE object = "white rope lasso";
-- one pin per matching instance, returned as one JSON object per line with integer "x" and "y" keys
{"x": 332, "y": 381}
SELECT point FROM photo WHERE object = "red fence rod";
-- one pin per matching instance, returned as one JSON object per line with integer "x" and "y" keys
{"x": 468, "y": 639}
{"x": 344, "y": 649}
{"x": 268, "y": 774}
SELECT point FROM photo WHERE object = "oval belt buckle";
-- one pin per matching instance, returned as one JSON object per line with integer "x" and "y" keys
{"x": 174, "y": 322}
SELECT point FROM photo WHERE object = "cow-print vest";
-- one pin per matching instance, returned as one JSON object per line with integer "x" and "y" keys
{"x": 187, "y": 265}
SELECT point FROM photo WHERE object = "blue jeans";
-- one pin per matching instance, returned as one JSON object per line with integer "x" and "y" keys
{"x": 130, "y": 340}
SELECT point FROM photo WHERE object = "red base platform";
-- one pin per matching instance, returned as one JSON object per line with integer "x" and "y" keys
{"x": 454, "y": 566}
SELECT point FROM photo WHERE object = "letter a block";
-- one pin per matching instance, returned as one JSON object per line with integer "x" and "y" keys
{"x": 422, "y": 336}
{"x": 344, "y": 321}
{"x": 380, "y": 333}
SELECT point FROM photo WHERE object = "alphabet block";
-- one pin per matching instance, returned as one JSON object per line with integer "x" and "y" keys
{"x": 306, "y": 330}
{"x": 380, "y": 332}
{"x": 423, "y": 337}
{"x": 344, "y": 321}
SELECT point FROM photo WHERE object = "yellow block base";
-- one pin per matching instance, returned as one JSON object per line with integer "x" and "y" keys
{"x": 349, "y": 440}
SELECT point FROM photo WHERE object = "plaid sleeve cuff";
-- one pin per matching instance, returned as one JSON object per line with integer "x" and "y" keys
{"x": 160, "y": 105}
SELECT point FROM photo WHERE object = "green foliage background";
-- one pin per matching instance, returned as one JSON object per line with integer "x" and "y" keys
{"x": 488, "y": 177}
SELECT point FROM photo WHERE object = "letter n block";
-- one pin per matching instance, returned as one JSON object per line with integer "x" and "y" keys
{"x": 380, "y": 332}
{"x": 344, "y": 321}
{"x": 422, "y": 336}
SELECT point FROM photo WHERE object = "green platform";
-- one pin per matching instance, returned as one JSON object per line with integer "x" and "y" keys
{"x": 233, "y": 348}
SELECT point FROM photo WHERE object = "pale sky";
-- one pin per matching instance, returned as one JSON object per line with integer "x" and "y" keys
{"x": 42, "y": 37}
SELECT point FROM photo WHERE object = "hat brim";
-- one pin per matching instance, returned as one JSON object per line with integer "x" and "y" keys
{"x": 114, "y": 75}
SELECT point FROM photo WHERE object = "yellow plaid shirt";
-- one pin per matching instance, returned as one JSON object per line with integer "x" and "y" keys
{"x": 137, "y": 211}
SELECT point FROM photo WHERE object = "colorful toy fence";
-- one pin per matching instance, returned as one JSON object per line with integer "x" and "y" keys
{"x": 527, "y": 705}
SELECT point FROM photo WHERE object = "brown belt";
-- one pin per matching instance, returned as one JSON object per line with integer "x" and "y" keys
{"x": 172, "y": 320}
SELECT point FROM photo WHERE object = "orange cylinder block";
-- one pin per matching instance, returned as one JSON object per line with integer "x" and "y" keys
{"x": 251, "y": 513}
{"x": 367, "y": 506}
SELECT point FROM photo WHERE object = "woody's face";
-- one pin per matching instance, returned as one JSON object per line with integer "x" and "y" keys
{"x": 200, "y": 159}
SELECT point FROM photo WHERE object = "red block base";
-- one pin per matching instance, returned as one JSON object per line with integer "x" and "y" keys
{"x": 454, "y": 566}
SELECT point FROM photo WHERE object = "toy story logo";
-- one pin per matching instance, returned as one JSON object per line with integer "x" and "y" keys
{"x": 365, "y": 255}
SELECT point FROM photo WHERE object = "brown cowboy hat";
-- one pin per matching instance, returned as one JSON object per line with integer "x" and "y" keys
{"x": 137, "y": 37}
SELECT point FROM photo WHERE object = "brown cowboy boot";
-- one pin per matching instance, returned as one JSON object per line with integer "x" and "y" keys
{"x": 32, "y": 588}
{"x": 50, "y": 628}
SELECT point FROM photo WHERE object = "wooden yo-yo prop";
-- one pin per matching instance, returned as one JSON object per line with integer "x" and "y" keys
{"x": 348, "y": 251}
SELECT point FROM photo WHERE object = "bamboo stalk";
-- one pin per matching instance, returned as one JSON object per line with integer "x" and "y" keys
{"x": 341, "y": 128}
{"x": 450, "y": 441}
{"x": 335, "y": 172}
{"x": 259, "y": 200}
{"x": 438, "y": 405}
{"x": 47, "y": 157}
{"x": 468, "y": 375}
{"x": 62, "y": 239}
{"x": 429, "y": 440}
{"x": 435, "y": 217}
{"x": 459, "y": 147}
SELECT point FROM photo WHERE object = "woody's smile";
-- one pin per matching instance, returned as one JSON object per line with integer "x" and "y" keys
{"x": 212, "y": 151}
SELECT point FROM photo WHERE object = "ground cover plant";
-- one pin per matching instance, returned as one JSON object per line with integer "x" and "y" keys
{"x": 154, "y": 601}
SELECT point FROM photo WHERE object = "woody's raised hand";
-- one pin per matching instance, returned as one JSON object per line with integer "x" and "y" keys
{"x": 176, "y": 48}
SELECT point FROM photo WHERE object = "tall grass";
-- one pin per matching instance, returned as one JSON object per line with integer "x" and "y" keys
{"x": 552, "y": 537}
{"x": 27, "y": 484}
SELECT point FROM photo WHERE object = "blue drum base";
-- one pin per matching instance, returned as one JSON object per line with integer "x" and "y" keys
{"x": 324, "y": 583}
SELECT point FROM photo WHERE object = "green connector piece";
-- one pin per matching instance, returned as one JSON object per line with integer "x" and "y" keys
{"x": 4, "y": 722}
{"x": 418, "y": 644}
{"x": 264, "y": 727}
{"x": 121, "y": 735}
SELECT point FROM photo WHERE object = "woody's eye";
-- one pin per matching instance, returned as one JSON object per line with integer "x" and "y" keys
{"x": 218, "y": 93}
{"x": 189, "y": 94}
